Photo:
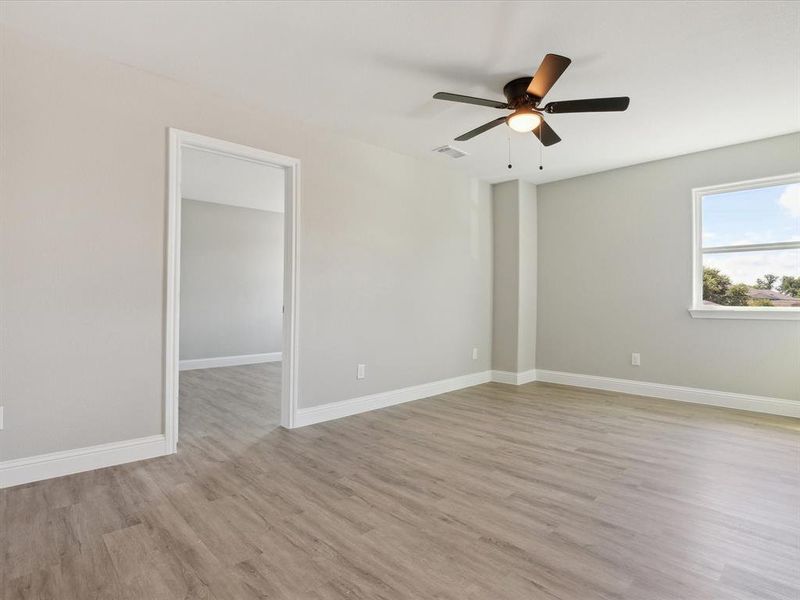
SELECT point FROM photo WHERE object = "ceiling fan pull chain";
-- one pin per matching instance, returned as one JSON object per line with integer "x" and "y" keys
{"x": 509, "y": 150}
{"x": 540, "y": 156}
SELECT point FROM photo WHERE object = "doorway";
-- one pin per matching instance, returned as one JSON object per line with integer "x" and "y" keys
{"x": 201, "y": 154}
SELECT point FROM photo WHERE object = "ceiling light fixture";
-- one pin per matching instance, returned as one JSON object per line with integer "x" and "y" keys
{"x": 524, "y": 96}
{"x": 524, "y": 120}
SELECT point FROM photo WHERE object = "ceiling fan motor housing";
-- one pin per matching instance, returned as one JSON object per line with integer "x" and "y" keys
{"x": 516, "y": 93}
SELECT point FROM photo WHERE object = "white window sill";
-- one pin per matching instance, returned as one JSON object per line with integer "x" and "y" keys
{"x": 755, "y": 312}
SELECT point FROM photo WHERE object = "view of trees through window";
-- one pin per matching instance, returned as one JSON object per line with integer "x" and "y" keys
{"x": 719, "y": 289}
{"x": 751, "y": 246}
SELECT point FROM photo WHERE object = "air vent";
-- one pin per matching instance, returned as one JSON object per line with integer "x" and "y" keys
{"x": 450, "y": 151}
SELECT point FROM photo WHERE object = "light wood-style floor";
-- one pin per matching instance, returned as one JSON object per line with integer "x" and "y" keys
{"x": 496, "y": 492}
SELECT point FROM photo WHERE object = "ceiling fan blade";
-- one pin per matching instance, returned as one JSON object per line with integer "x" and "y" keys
{"x": 469, "y": 100}
{"x": 547, "y": 74}
{"x": 588, "y": 105}
{"x": 545, "y": 133}
{"x": 481, "y": 129}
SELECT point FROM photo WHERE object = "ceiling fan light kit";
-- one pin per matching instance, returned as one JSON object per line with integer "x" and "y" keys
{"x": 524, "y": 119}
{"x": 524, "y": 96}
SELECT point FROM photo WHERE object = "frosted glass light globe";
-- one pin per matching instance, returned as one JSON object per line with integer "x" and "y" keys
{"x": 524, "y": 120}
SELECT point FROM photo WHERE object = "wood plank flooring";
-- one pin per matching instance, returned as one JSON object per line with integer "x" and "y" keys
{"x": 496, "y": 492}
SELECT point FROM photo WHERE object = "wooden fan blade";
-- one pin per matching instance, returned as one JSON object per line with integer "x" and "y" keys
{"x": 547, "y": 74}
{"x": 545, "y": 133}
{"x": 481, "y": 129}
{"x": 469, "y": 100}
{"x": 588, "y": 105}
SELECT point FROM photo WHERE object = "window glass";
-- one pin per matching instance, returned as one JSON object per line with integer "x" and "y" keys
{"x": 752, "y": 278}
{"x": 755, "y": 216}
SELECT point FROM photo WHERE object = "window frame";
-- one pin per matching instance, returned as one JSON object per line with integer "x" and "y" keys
{"x": 700, "y": 310}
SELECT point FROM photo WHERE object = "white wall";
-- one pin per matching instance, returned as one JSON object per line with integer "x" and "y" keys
{"x": 394, "y": 257}
{"x": 212, "y": 177}
{"x": 615, "y": 264}
{"x": 231, "y": 280}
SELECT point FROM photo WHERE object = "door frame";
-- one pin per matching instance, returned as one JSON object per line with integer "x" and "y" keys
{"x": 178, "y": 140}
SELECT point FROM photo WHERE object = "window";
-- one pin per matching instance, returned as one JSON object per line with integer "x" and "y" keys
{"x": 747, "y": 250}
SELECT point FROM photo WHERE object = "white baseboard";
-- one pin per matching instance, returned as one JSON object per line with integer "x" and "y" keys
{"x": 345, "y": 408}
{"x": 761, "y": 404}
{"x": 67, "y": 462}
{"x": 228, "y": 361}
{"x": 57, "y": 464}
{"x": 514, "y": 378}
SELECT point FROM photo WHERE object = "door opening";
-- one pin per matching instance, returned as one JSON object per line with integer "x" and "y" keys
{"x": 284, "y": 173}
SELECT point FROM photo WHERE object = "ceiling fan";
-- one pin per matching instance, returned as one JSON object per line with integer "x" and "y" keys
{"x": 525, "y": 94}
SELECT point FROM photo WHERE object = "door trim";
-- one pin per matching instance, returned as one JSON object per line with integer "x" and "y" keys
{"x": 178, "y": 140}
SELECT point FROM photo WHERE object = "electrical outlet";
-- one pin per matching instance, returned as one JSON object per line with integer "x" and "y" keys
{"x": 474, "y": 354}
{"x": 636, "y": 359}
{"x": 361, "y": 372}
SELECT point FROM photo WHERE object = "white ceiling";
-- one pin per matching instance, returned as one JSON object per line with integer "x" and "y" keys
{"x": 212, "y": 177}
{"x": 699, "y": 74}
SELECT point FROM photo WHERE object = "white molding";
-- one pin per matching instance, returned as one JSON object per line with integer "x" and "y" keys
{"x": 172, "y": 315}
{"x": 177, "y": 140}
{"x": 228, "y": 361}
{"x": 345, "y": 408}
{"x": 291, "y": 294}
{"x": 775, "y": 313}
{"x": 514, "y": 378}
{"x": 508, "y": 377}
{"x": 748, "y": 184}
{"x": 67, "y": 462}
{"x": 760, "y": 404}
{"x": 750, "y": 247}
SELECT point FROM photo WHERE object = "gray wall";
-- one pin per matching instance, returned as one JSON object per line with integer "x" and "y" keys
{"x": 514, "y": 222}
{"x": 231, "y": 280}
{"x": 505, "y": 307}
{"x": 82, "y": 251}
{"x": 528, "y": 276}
{"x": 615, "y": 263}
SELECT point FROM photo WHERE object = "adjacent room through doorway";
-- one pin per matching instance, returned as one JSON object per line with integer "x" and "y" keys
{"x": 231, "y": 294}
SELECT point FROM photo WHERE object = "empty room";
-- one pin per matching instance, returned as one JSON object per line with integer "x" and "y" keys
{"x": 394, "y": 300}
